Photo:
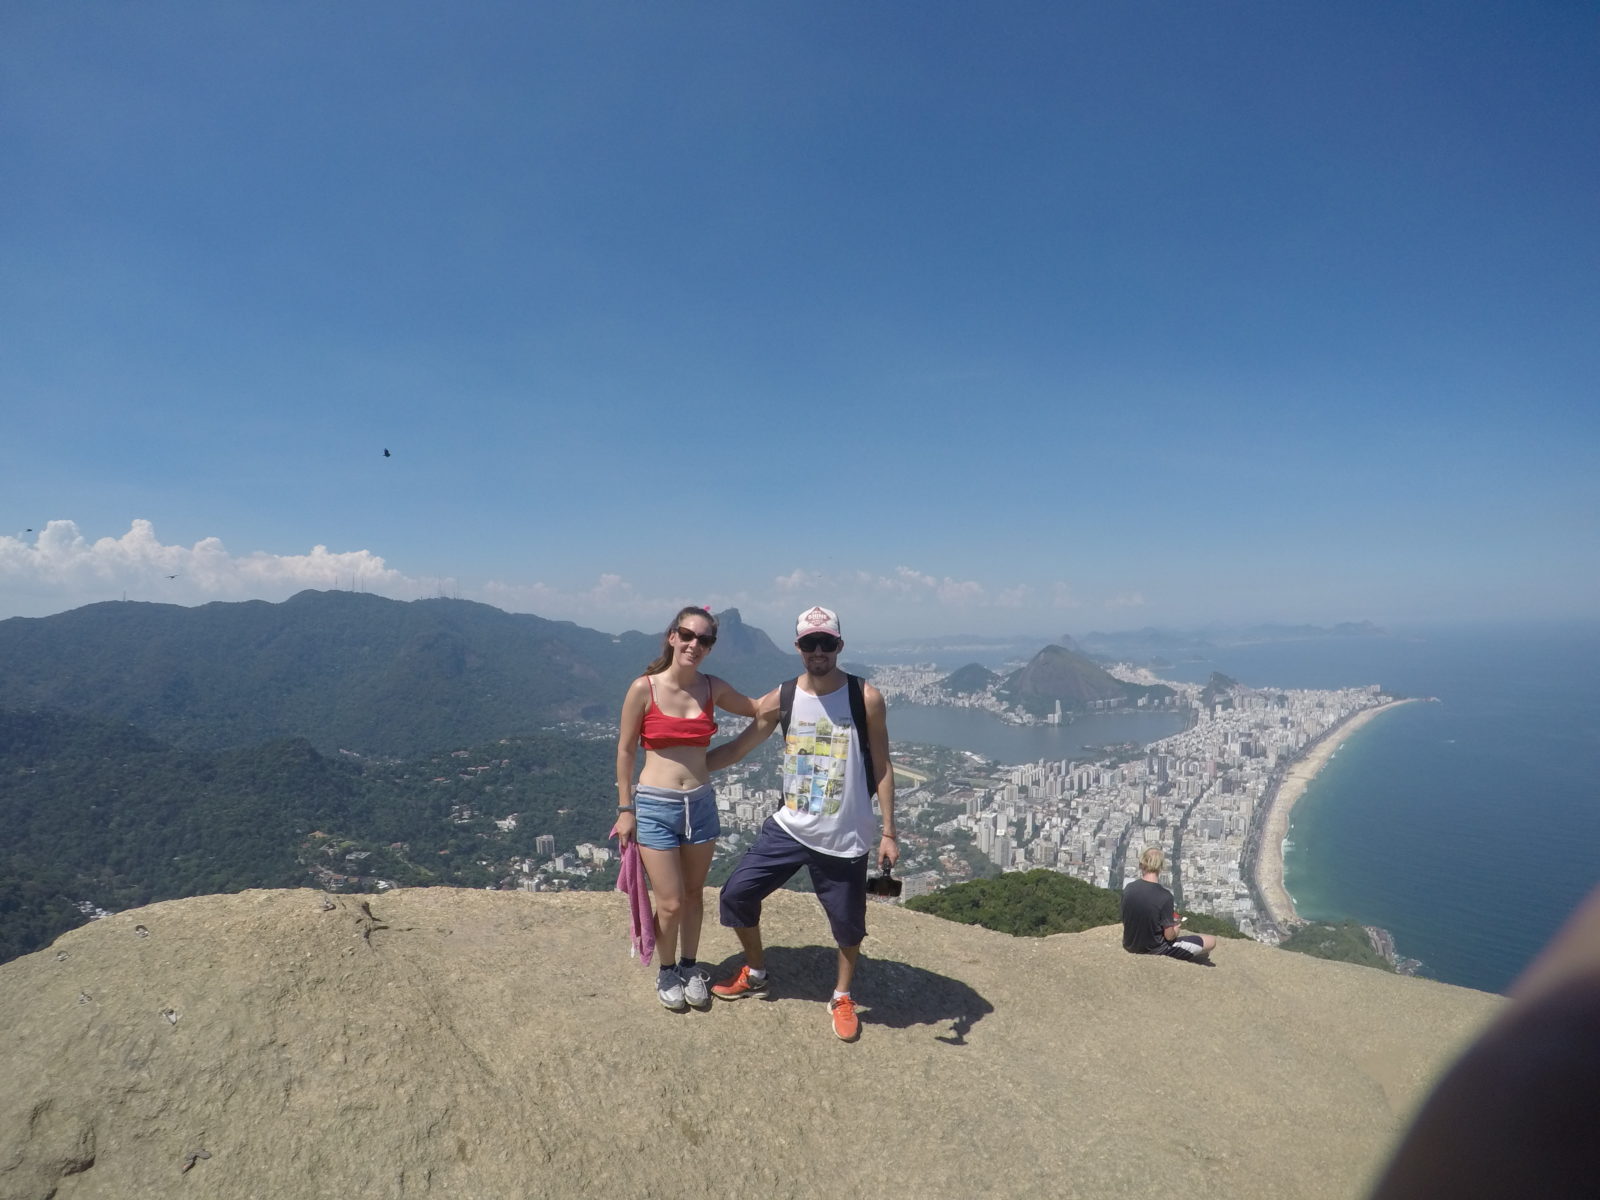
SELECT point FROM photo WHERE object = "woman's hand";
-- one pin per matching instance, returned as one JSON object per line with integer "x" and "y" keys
{"x": 627, "y": 824}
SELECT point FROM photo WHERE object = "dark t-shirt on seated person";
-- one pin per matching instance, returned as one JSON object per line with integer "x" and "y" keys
{"x": 1147, "y": 909}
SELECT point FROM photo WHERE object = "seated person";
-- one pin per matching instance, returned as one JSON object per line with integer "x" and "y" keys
{"x": 1150, "y": 921}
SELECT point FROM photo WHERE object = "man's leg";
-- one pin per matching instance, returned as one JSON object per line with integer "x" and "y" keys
{"x": 841, "y": 885}
{"x": 750, "y": 941}
{"x": 772, "y": 858}
{"x": 765, "y": 867}
{"x": 847, "y": 967}
{"x": 1196, "y": 947}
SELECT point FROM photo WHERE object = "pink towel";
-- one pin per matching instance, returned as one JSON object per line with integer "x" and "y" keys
{"x": 641, "y": 918}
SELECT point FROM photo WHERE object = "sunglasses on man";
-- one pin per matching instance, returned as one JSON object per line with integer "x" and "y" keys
{"x": 707, "y": 640}
{"x": 825, "y": 642}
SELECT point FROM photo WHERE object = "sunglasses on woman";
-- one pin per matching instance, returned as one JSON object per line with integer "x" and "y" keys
{"x": 825, "y": 642}
{"x": 688, "y": 635}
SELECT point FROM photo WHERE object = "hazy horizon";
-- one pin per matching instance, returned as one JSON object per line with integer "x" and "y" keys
{"x": 867, "y": 639}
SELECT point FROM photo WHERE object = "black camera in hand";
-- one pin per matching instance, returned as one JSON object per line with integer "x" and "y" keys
{"x": 884, "y": 884}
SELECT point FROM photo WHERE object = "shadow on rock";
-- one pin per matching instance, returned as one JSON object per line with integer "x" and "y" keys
{"x": 890, "y": 993}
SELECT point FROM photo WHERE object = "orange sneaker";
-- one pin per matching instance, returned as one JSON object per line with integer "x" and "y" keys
{"x": 740, "y": 985}
{"x": 846, "y": 1025}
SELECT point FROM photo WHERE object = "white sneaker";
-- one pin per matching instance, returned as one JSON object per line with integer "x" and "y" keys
{"x": 669, "y": 987}
{"x": 697, "y": 988}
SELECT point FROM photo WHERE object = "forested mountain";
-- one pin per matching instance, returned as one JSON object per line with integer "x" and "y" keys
{"x": 974, "y": 677}
{"x": 1343, "y": 941}
{"x": 100, "y": 813}
{"x": 150, "y": 752}
{"x": 1056, "y": 673}
{"x": 343, "y": 670}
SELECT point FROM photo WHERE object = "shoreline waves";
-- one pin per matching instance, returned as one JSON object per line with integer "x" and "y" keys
{"x": 1275, "y": 897}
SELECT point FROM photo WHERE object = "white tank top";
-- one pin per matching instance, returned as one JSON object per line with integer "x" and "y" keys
{"x": 826, "y": 804}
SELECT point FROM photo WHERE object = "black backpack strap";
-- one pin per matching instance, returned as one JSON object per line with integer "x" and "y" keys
{"x": 858, "y": 714}
{"x": 785, "y": 704}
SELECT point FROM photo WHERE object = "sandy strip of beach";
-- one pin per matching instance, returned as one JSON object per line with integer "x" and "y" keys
{"x": 1269, "y": 854}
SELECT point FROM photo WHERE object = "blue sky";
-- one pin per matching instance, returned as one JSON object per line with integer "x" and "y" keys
{"x": 1016, "y": 318}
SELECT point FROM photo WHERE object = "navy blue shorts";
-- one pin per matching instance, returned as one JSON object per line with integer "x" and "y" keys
{"x": 841, "y": 883}
{"x": 1187, "y": 945}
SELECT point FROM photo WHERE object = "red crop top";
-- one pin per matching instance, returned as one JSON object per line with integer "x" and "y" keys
{"x": 660, "y": 731}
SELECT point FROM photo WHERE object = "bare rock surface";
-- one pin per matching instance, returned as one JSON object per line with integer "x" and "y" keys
{"x": 436, "y": 1042}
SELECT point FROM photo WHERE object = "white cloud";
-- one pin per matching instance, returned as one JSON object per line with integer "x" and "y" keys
{"x": 797, "y": 580}
{"x": 961, "y": 592}
{"x": 907, "y": 579}
{"x": 906, "y": 583}
{"x": 61, "y": 568}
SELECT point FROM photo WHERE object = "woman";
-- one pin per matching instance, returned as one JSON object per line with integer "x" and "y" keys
{"x": 672, "y": 814}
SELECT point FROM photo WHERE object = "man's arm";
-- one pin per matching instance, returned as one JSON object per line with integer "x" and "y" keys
{"x": 766, "y": 720}
{"x": 878, "y": 741}
{"x": 1172, "y": 926}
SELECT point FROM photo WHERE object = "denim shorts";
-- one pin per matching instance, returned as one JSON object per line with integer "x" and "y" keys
{"x": 669, "y": 818}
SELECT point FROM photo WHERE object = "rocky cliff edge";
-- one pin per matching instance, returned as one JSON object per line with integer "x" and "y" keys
{"x": 436, "y": 1042}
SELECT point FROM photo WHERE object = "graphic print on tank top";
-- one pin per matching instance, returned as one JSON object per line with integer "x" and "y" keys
{"x": 816, "y": 757}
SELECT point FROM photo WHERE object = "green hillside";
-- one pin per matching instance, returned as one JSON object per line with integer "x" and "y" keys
{"x": 1346, "y": 941}
{"x": 1039, "y": 903}
{"x": 1058, "y": 674}
{"x": 342, "y": 670}
{"x": 99, "y": 812}
{"x": 969, "y": 680}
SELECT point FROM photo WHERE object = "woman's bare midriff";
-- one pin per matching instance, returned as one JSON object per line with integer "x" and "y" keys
{"x": 681, "y": 768}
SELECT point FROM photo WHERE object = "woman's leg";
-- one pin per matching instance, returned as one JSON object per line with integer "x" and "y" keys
{"x": 667, "y": 886}
{"x": 694, "y": 865}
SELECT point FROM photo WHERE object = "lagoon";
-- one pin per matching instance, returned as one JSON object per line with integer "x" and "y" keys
{"x": 981, "y": 732}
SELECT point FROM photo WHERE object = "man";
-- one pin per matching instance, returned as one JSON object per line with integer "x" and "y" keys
{"x": 1150, "y": 921}
{"x": 825, "y": 823}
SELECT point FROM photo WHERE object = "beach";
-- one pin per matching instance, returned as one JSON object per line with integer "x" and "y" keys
{"x": 1269, "y": 856}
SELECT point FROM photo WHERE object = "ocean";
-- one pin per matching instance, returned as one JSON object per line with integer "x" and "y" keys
{"x": 1467, "y": 828}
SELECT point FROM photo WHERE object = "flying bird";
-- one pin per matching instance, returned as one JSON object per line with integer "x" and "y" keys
{"x": 386, "y": 453}
{"x": 171, "y": 576}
